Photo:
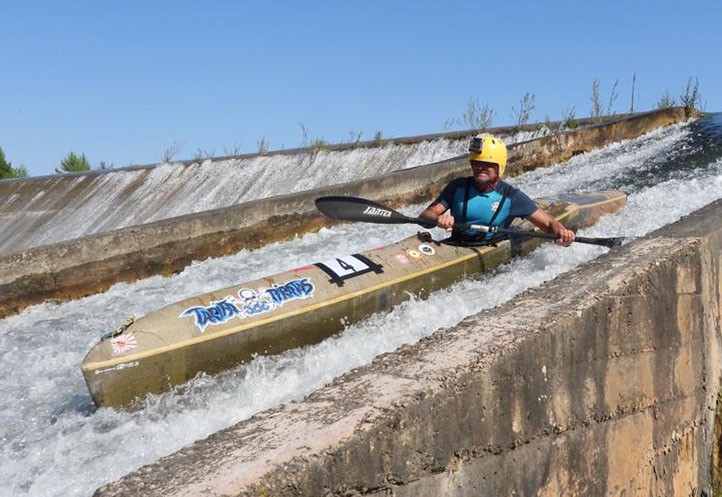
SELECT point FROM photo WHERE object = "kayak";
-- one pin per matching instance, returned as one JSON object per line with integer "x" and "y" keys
{"x": 217, "y": 331}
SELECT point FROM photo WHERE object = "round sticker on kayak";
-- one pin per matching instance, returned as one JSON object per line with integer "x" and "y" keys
{"x": 426, "y": 249}
{"x": 413, "y": 253}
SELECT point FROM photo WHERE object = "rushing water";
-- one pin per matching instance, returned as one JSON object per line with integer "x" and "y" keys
{"x": 55, "y": 443}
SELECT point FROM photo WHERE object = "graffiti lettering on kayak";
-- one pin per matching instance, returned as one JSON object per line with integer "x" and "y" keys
{"x": 296, "y": 289}
{"x": 264, "y": 300}
{"x": 218, "y": 312}
{"x": 249, "y": 303}
{"x": 343, "y": 268}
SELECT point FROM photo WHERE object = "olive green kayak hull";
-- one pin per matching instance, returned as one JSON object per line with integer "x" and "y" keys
{"x": 216, "y": 331}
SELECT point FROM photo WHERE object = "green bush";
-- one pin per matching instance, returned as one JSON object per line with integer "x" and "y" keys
{"x": 569, "y": 118}
{"x": 73, "y": 164}
{"x": 666, "y": 101}
{"x": 8, "y": 171}
{"x": 691, "y": 97}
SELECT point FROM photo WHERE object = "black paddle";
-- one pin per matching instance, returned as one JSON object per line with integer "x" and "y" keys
{"x": 368, "y": 211}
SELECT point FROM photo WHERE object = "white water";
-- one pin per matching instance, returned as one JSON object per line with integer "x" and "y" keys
{"x": 55, "y": 444}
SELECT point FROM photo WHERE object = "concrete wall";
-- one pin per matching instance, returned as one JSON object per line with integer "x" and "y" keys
{"x": 601, "y": 382}
{"x": 92, "y": 264}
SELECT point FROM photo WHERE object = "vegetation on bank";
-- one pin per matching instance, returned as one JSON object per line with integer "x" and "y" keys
{"x": 72, "y": 163}
{"x": 476, "y": 117}
{"x": 8, "y": 171}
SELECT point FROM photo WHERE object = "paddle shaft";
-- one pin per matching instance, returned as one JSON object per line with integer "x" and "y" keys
{"x": 607, "y": 242}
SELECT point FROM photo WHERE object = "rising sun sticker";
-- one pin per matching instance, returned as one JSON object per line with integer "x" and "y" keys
{"x": 123, "y": 343}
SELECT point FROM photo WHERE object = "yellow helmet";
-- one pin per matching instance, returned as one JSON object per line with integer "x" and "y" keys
{"x": 487, "y": 148}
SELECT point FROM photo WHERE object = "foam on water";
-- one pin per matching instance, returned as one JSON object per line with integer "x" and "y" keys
{"x": 55, "y": 443}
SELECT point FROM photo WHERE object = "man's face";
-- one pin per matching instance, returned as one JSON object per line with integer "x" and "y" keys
{"x": 485, "y": 172}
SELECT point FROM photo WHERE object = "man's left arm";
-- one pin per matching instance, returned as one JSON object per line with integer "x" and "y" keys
{"x": 545, "y": 222}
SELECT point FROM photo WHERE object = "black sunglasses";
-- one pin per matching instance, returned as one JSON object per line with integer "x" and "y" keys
{"x": 476, "y": 164}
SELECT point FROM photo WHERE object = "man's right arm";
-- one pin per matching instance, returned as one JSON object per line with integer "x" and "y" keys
{"x": 435, "y": 211}
{"x": 435, "y": 214}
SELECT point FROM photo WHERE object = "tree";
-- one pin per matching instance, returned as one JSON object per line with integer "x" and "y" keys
{"x": 691, "y": 97}
{"x": 73, "y": 164}
{"x": 476, "y": 117}
{"x": 526, "y": 106}
{"x": 596, "y": 101}
{"x": 8, "y": 171}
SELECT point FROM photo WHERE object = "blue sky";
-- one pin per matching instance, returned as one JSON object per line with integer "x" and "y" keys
{"x": 122, "y": 82}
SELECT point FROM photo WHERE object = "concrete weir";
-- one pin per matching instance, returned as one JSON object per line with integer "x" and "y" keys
{"x": 601, "y": 382}
{"x": 92, "y": 264}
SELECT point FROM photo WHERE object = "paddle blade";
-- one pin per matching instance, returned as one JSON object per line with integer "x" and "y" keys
{"x": 360, "y": 210}
{"x": 604, "y": 242}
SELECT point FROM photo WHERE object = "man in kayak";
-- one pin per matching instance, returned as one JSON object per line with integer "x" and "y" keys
{"x": 485, "y": 199}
